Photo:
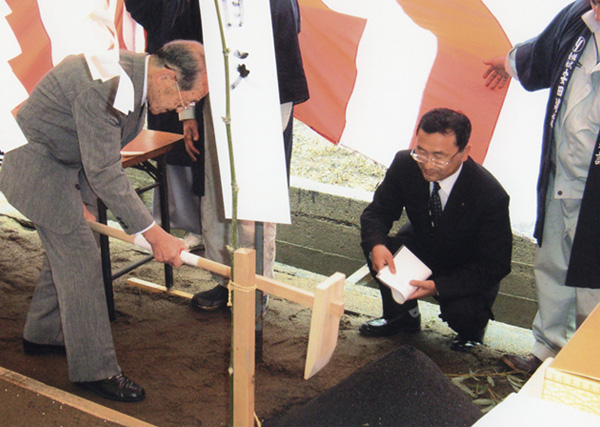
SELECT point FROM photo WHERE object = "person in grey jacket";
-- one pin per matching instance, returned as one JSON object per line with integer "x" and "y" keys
{"x": 75, "y": 132}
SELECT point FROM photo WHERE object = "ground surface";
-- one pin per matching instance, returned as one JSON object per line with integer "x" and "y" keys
{"x": 181, "y": 357}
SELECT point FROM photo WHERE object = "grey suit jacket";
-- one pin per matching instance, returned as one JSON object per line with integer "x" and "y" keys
{"x": 74, "y": 140}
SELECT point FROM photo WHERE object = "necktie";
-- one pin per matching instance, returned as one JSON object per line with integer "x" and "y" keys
{"x": 435, "y": 205}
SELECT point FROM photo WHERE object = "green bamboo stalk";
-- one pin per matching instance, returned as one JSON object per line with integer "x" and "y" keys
{"x": 234, "y": 187}
{"x": 227, "y": 121}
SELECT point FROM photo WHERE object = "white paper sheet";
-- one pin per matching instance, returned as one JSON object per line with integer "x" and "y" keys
{"x": 259, "y": 157}
{"x": 408, "y": 267}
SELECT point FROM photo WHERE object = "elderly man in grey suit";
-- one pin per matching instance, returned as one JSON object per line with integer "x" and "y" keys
{"x": 75, "y": 134}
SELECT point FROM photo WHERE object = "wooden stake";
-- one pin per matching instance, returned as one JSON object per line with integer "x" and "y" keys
{"x": 243, "y": 337}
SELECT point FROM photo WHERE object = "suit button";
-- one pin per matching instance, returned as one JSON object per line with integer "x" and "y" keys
{"x": 77, "y": 186}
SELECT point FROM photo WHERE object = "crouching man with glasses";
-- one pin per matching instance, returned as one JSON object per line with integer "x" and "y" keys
{"x": 458, "y": 226}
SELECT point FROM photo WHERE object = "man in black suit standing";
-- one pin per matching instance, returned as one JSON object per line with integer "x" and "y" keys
{"x": 458, "y": 225}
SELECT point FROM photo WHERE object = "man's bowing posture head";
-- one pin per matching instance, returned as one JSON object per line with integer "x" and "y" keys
{"x": 176, "y": 76}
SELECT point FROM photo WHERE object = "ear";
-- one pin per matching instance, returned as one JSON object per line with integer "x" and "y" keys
{"x": 466, "y": 151}
{"x": 164, "y": 75}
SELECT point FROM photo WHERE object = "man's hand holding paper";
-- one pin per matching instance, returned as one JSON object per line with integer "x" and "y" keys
{"x": 408, "y": 282}
{"x": 382, "y": 257}
{"x": 425, "y": 288}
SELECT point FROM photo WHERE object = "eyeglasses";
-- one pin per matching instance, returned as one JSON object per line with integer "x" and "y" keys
{"x": 183, "y": 106}
{"x": 421, "y": 158}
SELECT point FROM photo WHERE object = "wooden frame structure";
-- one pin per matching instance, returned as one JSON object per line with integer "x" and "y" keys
{"x": 326, "y": 302}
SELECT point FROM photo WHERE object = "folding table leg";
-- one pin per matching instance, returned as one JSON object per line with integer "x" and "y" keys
{"x": 106, "y": 266}
{"x": 163, "y": 192}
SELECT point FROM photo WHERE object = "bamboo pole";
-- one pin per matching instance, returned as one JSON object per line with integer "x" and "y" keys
{"x": 234, "y": 186}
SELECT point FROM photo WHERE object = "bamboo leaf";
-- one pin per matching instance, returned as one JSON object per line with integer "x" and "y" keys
{"x": 514, "y": 384}
{"x": 482, "y": 389}
{"x": 457, "y": 380}
{"x": 466, "y": 390}
{"x": 517, "y": 380}
{"x": 487, "y": 409}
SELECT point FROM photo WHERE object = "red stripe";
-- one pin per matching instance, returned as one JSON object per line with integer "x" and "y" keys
{"x": 329, "y": 41}
{"x": 36, "y": 57}
{"x": 119, "y": 16}
{"x": 467, "y": 34}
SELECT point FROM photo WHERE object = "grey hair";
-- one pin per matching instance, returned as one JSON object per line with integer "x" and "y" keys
{"x": 186, "y": 58}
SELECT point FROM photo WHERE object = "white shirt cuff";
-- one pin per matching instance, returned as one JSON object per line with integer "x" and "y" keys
{"x": 510, "y": 64}
{"x": 188, "y": 114}
{"x": 146, "y": 229}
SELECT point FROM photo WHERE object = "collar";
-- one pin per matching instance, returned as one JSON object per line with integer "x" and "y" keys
{"x": 590, "y": 21}
{"x": 447, "y": 184}
{"x": 105, "y": 66}
{"x": 145, "y": 92}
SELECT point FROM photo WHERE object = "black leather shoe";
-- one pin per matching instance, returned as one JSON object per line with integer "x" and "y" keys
{"x": 213, "y": 299}
{"x": 33, "y": 349}
{"x": 118, "y": 387}
{"x": 382, "y": 327}
{"x": 459, "y": 343}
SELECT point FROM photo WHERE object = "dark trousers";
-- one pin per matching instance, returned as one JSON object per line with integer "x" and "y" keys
{"x": 467, "y": 315}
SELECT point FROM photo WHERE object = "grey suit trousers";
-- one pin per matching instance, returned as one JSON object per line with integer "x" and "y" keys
{"x": 69, "y": 304}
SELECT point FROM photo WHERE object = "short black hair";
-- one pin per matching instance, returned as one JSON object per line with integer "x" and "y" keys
{"x": 186, "y": 58}
{"x": 446, "y": 121}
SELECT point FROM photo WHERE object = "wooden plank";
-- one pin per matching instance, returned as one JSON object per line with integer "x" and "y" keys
{"x": 154, "y": 288}
{"x": 295, "y": 294}
{"x": 361, "y": 276}
{"x": 71, "y": 400}
{"x": 243, "y": 337}
{"x": 324, "y": 324}
{"x": 288, "y": 292}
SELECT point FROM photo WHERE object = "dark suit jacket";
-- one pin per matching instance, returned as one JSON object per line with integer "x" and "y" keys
{"x": 74, "y": 140}
{"x": 470, "y": 252}
{"x": 165, "y": 21}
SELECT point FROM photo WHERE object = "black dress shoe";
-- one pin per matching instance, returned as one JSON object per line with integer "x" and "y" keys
{"x": 459, "y": 343}
{"x": 33, "y": 349}
{"x": 382, "y": 327}
{"x": 118, "y": 387}
{"x": 213, "y": 299}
